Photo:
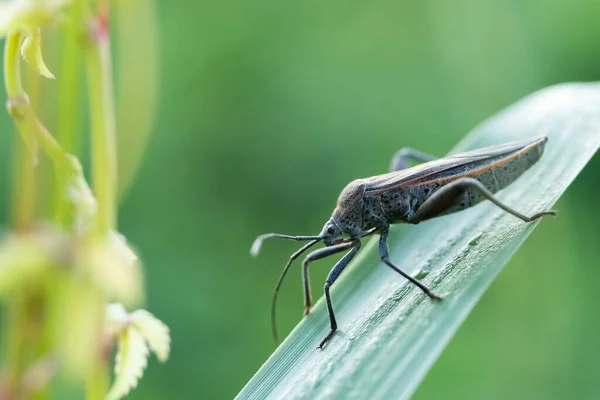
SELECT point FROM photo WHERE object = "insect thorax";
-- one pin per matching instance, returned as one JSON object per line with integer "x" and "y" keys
{"x": 396, "y": 205}
{"x": 372, "y": 214}
{"x": 348, "y": 214}
{"x": 356, "y": 213}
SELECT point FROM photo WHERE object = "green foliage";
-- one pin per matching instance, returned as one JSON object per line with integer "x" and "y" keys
{"x": 266, "y": 109}
{"x": 390, "y": 334}
{"x": 57, "y": 276}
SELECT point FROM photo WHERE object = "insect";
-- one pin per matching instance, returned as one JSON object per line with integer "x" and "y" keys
{"x": 410, "y": 195}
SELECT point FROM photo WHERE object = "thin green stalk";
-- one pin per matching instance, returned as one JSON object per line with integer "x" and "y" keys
{"x": 37, "y": 343}
{"x": 12, "y": 66}
{"x": 16, "y": 321}
{"x": 23, "y": 205}
{"x": 68, "y": 101}
{"x": 68, "y": 109}
{"x": 104, "y": 157}
{"x": 102, "y": 113}
{"x": 23, "y": 193}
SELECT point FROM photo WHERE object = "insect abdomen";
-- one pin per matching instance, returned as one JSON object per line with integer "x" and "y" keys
{"x": 505, "y": 170}
{"x": 495, "y": 174}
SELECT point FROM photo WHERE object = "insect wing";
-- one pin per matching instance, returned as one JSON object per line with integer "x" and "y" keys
{"x": 430, "y": 169}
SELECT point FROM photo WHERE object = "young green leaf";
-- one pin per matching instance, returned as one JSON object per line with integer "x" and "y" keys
{"x": 31, "y": 50}
{"x": 389, "y": 332}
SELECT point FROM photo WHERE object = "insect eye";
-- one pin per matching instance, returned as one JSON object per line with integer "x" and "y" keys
{"x": 331, "y": 230}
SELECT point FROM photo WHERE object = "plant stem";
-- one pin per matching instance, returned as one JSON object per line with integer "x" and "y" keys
{"x": 12, "y": 66}
{"x": 68, "y": 110}
{"x": 104, "y": 154}
{"x": 23, "y": 187}
{"x": 23, "y": 183}
{"x": 102, "y": 113}
{"x": 68, "y": 94}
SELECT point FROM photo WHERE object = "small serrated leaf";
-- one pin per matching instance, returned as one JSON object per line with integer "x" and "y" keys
{"x": 155, "y": 332}
{"x": 132, "y": 358}
{"x": 31, "y": 50}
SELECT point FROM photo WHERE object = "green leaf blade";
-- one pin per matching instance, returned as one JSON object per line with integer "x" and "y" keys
{"x": 389, "y": 333}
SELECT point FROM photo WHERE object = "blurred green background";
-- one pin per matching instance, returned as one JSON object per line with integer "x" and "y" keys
{"x": 267, "y": 109}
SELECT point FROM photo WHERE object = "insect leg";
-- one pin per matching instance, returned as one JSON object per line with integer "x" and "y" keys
{"x": 331, "y": 278}
{"x": 278, "y": 285}
{"x": 447, "y": 196}
{"x": 317, "y": 255}
{"x": 384, "y": 254}
{"x": 402, "y": 157}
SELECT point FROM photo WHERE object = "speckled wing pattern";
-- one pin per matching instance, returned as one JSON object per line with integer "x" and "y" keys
{"x": 451, "y": 165}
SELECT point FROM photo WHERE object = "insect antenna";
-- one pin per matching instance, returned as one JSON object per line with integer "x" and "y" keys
{"x": 255, "y": 249}
{"x": 280, "y": 280}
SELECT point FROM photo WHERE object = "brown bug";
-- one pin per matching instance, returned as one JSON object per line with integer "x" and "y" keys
{"x": 408, "y": 195}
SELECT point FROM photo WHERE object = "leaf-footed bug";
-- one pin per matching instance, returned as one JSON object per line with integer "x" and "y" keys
{"x": 408, "y": 195}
